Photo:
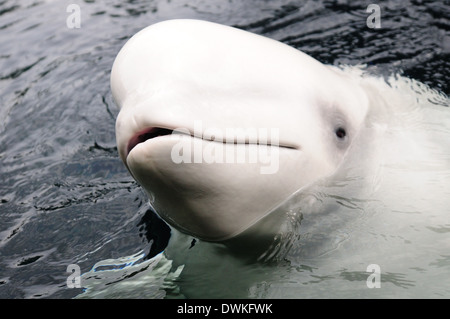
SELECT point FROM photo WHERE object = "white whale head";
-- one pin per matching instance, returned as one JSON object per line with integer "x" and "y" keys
{"x": 256, "y": 120}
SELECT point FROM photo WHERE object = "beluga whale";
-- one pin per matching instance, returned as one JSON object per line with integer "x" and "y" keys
{"x": 221, "y": 127}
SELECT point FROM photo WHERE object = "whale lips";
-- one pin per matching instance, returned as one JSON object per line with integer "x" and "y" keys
{"x": 145, "y": 135}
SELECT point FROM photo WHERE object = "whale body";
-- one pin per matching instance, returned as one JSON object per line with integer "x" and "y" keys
{"x": 208, "y": 83}
{"x": 195, "y": 95}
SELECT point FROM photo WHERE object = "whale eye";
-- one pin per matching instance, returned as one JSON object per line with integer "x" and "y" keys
{"x": 340, "y": 132}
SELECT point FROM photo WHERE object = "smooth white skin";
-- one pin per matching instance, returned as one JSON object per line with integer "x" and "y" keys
{"x": 177, "y": 72}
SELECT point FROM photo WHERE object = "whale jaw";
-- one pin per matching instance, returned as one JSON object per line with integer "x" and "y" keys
{"x": 212, "y": 201}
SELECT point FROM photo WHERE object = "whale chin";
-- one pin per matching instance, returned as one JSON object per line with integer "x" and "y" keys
{"x": 213, "y": 201}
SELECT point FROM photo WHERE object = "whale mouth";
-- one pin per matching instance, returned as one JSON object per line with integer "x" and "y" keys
{"x": 154, "y": 132}
{"x": 146, "y": 135}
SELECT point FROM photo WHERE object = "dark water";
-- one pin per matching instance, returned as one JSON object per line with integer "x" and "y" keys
{"x": 65, "y": 197}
